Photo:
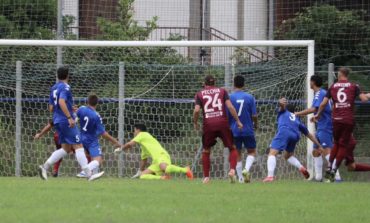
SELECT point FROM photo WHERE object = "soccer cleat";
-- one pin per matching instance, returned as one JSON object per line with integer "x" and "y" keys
{"x": 189, "y": 173}
{"x": 81, "y": 174}
{"x": 247, "y": 177}
{"x": 96, "y": 176}
{"x": 268, "y": 179}
{"x": 304, "y": 172}
{"x": 329, "y": 176}
{"x": 206, "y": 180}
{"x": 55, "y": 174}
{"x": 232, "y": 176}
{"x": 43, "y": 173}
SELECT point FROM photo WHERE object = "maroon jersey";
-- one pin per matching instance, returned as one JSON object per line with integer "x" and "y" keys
{"x": 212, "y": 100}
{"x": 343, "y": 94}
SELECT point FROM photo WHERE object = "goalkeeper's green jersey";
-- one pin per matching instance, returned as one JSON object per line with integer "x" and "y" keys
{"x": 150, "y": 147}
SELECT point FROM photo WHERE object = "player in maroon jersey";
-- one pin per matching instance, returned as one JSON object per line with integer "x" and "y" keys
{"x": 213, "y": 101}
{"x": 343, "y": 93}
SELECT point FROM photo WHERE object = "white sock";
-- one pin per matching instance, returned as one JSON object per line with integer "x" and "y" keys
{"x": 55, "y": 156}
{"x": 334, "y": 166}
{"x": 327, "y": 157}
{"x": 96, "y": 170}
{"x": 271, "y": 164}
{"x": 239, "y": 166}
{"x": 337, "y": 175}
{"x": 292, "y": 160}
{"x": 82, "y": 160}
{"x": 318, "y": 167}
{"x": 248, "y": 162}
{"x": 93, "y": 165}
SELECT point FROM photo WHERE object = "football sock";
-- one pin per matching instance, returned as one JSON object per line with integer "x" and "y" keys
{"x": 150, "y": 177}
{"x": 55, "y": 156}
{"x": 239, "y": 168}
{"x": 233, "y": 157}
{"x": 206, "y": 163}
{"x": 342, "y": 152}
{"x": 93, "y": 165}
{"x": 249, "y": 162}
{"x": 96, "y": 170}
{"x": 292, "y": 160}
{"x": 57, "y": 165}
{"x": 271, "y": 164}
{"x": 327, "y": 157}
{"x": 362, "y": 167}
{"x": 318, "y": 167}
{"x": 81, "y": 159}
{"x": 175, "y": 169}
{"x": 333, "y": 154}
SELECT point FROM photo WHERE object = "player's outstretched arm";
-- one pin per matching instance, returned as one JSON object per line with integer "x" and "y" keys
{"x": 364, "y": 97}
{"x": 305, "y": 112}
{"x": 233, "y": 113}
{"x": 44, "y": 130}
{"x": 196, "y": 116}
{"x": 111, "y": 139}
{"x": 324, "y": 102}
{"x": 314, "y": 140}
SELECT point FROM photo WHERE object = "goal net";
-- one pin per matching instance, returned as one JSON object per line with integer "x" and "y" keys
{"x": 147, "y": 82}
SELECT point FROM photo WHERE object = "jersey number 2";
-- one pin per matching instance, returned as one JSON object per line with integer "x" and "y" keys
{"x": 86, "y": 119}
{"x": 216, "y": 103}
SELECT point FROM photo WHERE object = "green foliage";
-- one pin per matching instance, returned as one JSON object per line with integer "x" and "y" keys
{"x": 338, "y": 34}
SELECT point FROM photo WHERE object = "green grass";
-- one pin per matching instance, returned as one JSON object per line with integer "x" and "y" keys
{"x": 123, "y": 200}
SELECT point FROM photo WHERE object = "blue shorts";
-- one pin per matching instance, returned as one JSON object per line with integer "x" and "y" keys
{"x": 285, "y": 140}
{"x": 68, "y": 135}
{"x": 93, "y": 149}
{"x": 325, "y": 138}
{"x": 249, "y": 142}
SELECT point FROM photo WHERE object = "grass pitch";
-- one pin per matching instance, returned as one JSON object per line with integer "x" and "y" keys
{"x": 122, "y": 200}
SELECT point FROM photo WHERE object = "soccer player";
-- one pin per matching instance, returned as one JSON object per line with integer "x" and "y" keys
{"x": 324, "y": 127}
{"x": 213, "y": 101}
{"x": 161, "y": 164}
{"x": 343, "y": 94}
{"x": 91, "y": 127}
{"x": 286, "y": 138}
{"x": 45, "y": 130}
{"x": 245, "y": 105}
{"x": 61, "y": 104}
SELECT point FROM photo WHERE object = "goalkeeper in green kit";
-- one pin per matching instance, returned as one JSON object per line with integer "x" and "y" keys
{"x": 161, "y": 164}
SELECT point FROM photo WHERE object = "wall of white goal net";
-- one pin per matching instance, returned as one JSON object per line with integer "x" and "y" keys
{"x": 148, "y": 82}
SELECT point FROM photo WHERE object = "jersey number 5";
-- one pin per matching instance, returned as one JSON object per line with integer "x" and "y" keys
{"x": 55, "y": 97}
{"x": 216, "y": 103}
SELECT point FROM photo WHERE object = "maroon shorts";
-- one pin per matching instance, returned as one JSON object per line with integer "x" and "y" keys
{"x": 342, "y": 133}
{"x": 211, "y": 134}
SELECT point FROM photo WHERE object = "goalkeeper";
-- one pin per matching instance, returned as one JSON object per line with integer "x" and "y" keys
{"x": 150, "y": 148}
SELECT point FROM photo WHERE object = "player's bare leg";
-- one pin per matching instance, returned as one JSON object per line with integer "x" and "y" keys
{"x": 233, "y": 160}
{"x": 206, "y": 162}
{"x": 55, "y": 157}
{"x": 271, "y": 165}
{"x": 248, "y": 164}
{"x": 289, "y": 156}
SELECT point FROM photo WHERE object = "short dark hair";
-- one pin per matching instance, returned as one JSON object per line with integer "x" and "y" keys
{"x": 290, "y": 108}
{"x": 92, "y": 100}
{"x": 239, "y": 81}
{"x": 209, "y": 80}
{"x": 140, "y": 126}
{"x": 63, "y": 73}
{"x": 317, "y": 80}
{"x": 345, "y": 71}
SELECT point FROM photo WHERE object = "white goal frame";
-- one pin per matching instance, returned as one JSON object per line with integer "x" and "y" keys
{"x": 310, "y": 44}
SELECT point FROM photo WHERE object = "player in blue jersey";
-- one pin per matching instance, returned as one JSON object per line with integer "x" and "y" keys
{"x": 324, "y": 127}
{"x": 286, "y": 138}
{"x": 61, "y": 104}
{"x": 245, "y": 105}
{"x": 92, "y": 127}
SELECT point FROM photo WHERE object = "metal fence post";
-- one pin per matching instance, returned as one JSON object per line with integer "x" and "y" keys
{"x": 18, "y": 119}
{"x": 121, "y": 115}
{"x": 331, "y": 74}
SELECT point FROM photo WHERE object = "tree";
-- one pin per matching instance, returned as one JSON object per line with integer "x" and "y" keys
{"x": 339, "y": 35}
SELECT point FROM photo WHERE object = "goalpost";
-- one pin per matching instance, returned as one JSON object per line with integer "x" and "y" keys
{"x": 146, "y": 81}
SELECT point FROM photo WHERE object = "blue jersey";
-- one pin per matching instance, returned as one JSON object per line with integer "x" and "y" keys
{"x": 325, "y": 122}
{"x": 245, "y": 106}
{"x": 91, "y": 125}
{"x": 61, "y": 90}
{"x": 288, "y": 121}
